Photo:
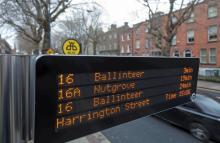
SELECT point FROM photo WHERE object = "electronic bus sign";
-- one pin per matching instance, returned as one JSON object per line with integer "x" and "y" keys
{"x": 79, "y": 95}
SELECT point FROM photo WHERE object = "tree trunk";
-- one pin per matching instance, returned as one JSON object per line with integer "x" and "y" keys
{"x": 85, "y": 47}
{"x": 166, "y": 49}
{"x": 47, "y": 30}
{"x": 46, "y": 38}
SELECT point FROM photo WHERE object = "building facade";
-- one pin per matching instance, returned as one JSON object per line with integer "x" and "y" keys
{"x": 200, "y": 36}
{"x": 109, "y": 43}
{"x": 125, "y": 40}
{"x": 143, "y": 43}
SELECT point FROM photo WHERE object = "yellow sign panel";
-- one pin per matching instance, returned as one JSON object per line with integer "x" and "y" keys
{"x": 50, "y": 51}
{"x": 71, "y": 47}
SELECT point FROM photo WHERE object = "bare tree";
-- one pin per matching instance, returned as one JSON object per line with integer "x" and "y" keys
{"x": 162, "y": 27}
{"x": 72, "y": 27}
{"x": 92, "y": 27}
{"x": 33, "y": 18}
{"x": 84, "y": 25}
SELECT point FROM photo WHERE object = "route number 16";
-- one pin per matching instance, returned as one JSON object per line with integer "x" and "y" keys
{"x": 65, "y": 79}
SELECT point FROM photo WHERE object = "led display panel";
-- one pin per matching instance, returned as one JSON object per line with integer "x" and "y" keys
{"x": 79, "y": 95}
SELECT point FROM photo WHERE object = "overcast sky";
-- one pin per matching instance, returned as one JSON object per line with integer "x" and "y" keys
{"x": 120, "y": 11}
{"x": 132, "y": 11}
{"x": 117, "y": 12}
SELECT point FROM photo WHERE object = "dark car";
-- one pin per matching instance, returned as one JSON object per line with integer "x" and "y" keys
{"x": 201, "y": 117}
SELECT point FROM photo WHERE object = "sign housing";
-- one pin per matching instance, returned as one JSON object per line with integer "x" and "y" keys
{"x": 79, "y": 95}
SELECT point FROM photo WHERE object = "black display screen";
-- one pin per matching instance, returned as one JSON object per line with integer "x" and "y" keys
{"x": 79, "y": 95}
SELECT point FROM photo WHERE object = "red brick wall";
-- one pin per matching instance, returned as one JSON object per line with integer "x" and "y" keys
{"x": 141, "y": 27}
{"x": 200, "y": 27}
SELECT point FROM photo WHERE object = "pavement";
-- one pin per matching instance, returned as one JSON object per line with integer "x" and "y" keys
{"x": 93, "y": 138}
{"x": 208, "y": 85}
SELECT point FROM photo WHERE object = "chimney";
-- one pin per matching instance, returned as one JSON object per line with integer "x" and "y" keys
{"x": 126, "y": 23}
{"x": 157, "y": 14}
{"x": 113, "y": 26}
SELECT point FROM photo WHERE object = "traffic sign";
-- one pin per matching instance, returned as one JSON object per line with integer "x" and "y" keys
{"x": 71, "y": 47}
{"x": 50, "y": 51}
{"x": 86, "y": 94}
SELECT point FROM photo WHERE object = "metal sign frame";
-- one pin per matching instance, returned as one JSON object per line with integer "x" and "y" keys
{"x": 48, "y": 68}
{"x": 17, "y": 98}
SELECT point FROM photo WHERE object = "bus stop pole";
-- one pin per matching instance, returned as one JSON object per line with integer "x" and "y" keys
{"x": 5, "y": 93}
{"x": 16, "y": 99}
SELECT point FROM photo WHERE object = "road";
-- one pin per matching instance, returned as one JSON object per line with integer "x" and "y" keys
{"x": 208, "y": 92}
{"x": 151, "y": 130}
{"x": 148, "y": 130}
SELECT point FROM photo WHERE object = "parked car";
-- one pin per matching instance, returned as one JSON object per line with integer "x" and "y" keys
{"x": 201, "y": 117}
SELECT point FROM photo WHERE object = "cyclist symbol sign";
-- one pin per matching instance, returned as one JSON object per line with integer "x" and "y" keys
{"x": 71, "y": 47}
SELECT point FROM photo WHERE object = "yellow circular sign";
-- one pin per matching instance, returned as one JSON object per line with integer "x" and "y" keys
{"x": 71, "y": 47}
{"x": 50, "y": 51}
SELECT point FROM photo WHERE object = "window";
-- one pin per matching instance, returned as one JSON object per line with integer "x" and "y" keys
{"x": 187, "y": 53}
{"x": 122, "y": 49}
{"x": 128, "y": 49}
{"x": 128, "y": 36}
{"x": 147, "y": 43}
{"x": 156, "y": 53}
{"x": 138, "y": 32}
{"x": 212, "y": 33}
{"x": 173, "y": 42}
{"x": 174, "y": 19}
{"x": 115, "y": 45}
{"x": 122, "y": 37}
{"x": 203, "y": 55}
{"x": 191, "y": 18}
{"x": 190, "y": 36}
{"x": 212, "y": 11}
{"x": 115, "y": 36}
{"x": 110, "y": 46}
{"x": 212, "y": 56}
{"x": 110, "y": 36}
{"x": 147, "y": 28}
{"x": 138, "y": 46}
{"x": 176, "y": 54}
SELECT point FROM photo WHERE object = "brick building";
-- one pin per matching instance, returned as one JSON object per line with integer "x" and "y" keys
{"x": 109, "y": 43}
{"x": 199, "y": 36}
{"x": 140, "y": 48}
{"x": 114, "y": 41}
{"x": 125, "y": 40}
{"x": 143, "y": 43}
